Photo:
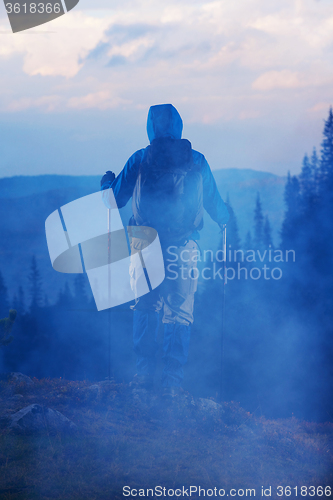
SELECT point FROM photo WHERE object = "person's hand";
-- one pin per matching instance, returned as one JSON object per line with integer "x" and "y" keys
{"x": 231, "y": 212}
{"x": 231, "y": 216}
{"x": 107, "y": 179}
{"x": 221, "y": 226}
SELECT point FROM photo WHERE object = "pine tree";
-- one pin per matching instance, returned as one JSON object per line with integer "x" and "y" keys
{"x": 326, "y": 161}
{"x": 308, "y": 180}
{"x": 315, "y": 170}
{"x": 4, "y": 304}
{"x": 323, "y": 231}
{"x": 65, "y": 297}
{"x": 79, "y": 290}
{"x": 292, "y": 213}
{"x": 258, "y": 224}
{"x": 18, "y": 301}
{"x": 46, "y": 300}
{"x": 248, "y": 243}
{"x": 267, "y": 236}
{"x": 21, "y": 301}
{"x": 35, "y": 282}
{"x": 15, "y": 301}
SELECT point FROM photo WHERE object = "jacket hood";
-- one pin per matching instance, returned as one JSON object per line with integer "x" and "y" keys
{"x": 164, "y": 121}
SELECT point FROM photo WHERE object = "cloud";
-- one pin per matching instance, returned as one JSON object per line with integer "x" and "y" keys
{"x": 284, "y": 79}
{"x": 214, "y": 57}
{"x": 59, "y": 53}
{"x": 47, "y": 103}
{"x": 319, "y": 107}
{"x": 126, "y": 32}
{"x": 100, "y": 100}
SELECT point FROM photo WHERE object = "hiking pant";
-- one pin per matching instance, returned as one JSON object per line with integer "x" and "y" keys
{"x": 174, "y": 300}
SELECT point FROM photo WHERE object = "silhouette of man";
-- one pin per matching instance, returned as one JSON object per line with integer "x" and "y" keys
{"x": 170, "y": 184}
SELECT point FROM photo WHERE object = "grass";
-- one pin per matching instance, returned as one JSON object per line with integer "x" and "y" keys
{"x": 139, "y": 441}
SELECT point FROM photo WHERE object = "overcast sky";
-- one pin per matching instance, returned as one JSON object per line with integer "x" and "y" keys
{"x": 252, "y": 80}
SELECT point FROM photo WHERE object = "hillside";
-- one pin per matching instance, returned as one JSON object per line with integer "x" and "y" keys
{"x": 118, "y": 436}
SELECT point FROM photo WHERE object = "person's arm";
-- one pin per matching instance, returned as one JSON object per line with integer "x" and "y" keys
{"x": 123, "y": 185}
{"x": 212, "y": 200}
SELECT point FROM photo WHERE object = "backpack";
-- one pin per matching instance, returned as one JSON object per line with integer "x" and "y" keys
{"x": 168, "y": 193}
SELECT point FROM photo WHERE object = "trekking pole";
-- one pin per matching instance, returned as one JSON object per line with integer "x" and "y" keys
{"x": 109, "y": 294}
{"x": 224, "y": 246}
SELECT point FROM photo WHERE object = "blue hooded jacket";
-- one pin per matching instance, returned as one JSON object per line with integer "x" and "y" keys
{"x": 165, "y": 121}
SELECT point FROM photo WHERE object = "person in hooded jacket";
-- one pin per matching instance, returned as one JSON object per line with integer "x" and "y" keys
{"x": 175, "y": 296}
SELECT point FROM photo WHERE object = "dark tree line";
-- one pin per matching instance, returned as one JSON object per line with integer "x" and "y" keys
{"x": 66, "y": 339}
{"x": 278, "y": 335}
{"x": 308, "y": 228}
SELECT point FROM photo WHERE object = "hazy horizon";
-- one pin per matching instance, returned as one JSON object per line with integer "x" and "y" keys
{"x": 92, "y": 175}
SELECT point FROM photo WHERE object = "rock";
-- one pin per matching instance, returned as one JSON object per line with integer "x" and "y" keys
{"x": 99, "y": 390}
{"x": 207, "y": 405}
{"x": 35, "y": 418}
{"x": 245, "y": 430}
{"x": 94, "y": 390}
{"x": 106, "y": 383}
{"x": 141, "y": 398}
{"x": 208, "y": 414}
{"x": 19, "y": 378}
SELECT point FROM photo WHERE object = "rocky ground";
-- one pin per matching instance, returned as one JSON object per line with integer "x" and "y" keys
{"x": 77, "y": 440}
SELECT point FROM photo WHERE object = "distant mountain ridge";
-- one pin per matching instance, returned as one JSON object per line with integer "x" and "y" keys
{"x": 25, "y": 185}
{"x": 26, "y": 202}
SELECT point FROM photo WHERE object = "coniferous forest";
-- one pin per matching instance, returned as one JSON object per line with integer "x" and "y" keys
{"x": 275, "y": 330}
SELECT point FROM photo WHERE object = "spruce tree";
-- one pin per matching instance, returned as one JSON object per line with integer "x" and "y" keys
{"x": 306, "y": 177}
{"x": 65, "y": 297}
{"x": 307, "y": 185}
{"x": 292, "y": 213}
{"x": 248, "y": 243}
{"x": 267, "y": 236}
{"x": 4, "y": 304}
{"x": 18, "y": 301}
{"x": 46, "y": 300}
{"x": 79, "y": 290}
{"x": 326, "y": 161}
{"x": 315, "y": 169}
{"x": 324, "y": 227}
{"x": 258, "y": 224}
{"x": 35, "y": 283}
{"x": 15, "y": 301}
{"x": 21, "y": 301}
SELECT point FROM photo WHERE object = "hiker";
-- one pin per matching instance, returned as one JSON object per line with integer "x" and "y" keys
{"x": 170, "y": 184}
